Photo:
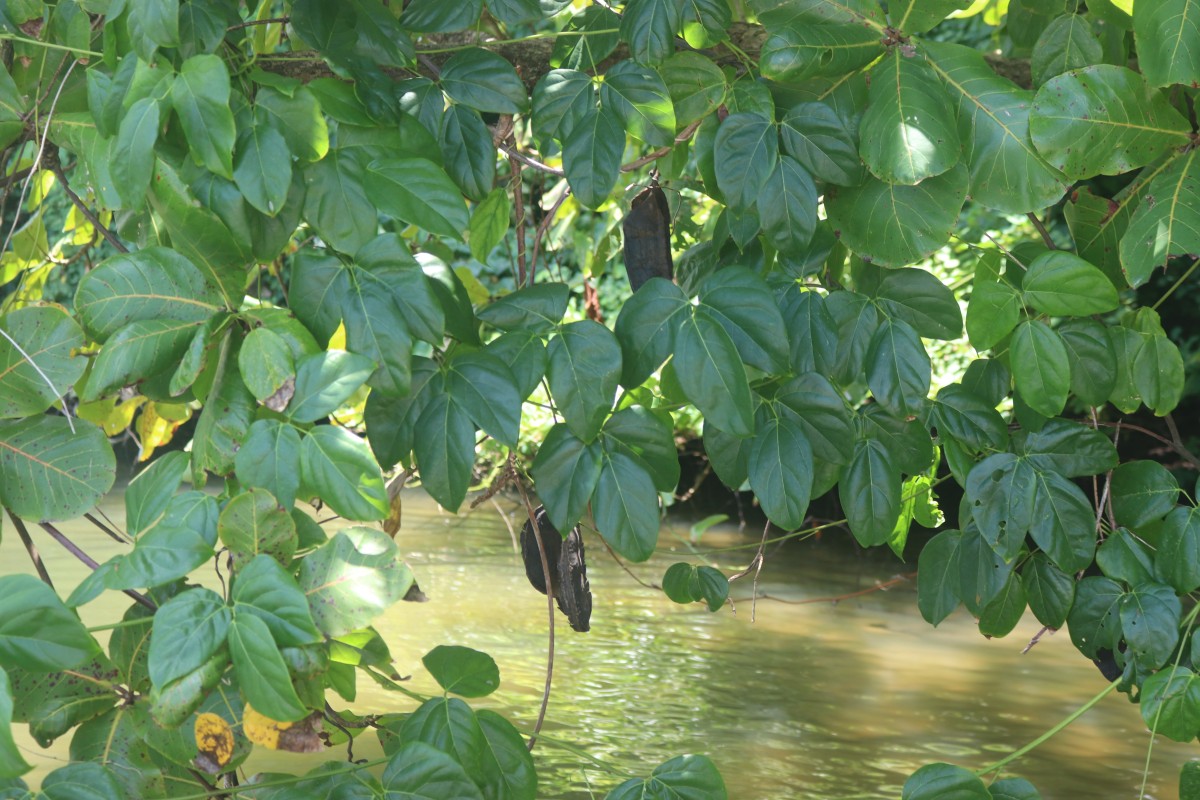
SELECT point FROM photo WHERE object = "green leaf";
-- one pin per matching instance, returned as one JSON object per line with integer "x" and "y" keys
{"x": 189, "y": 629}
{"x": 677, "y": 583}
{"x": 560, "y": 100}
{"x": 266, "y": 365}
{"x": 741, "y": 301}
{"x": 787, "y": 206}
{"x": 253, "y": 522}
{"x": 814, "y": 335}
{"x": 489, "y": 224}
{"x": 894, "y": 225}
{"x": 683, "y": 776}
{"x": 1170, "y": 703}
{"x": 649, "y": 436}
{"x": 1093, "y": 620}
{"x": 918, "y": 298}
{"x": 12, "y": 764}
{"x": 1093, "y": 363}
{"x": 377, "y": 330}
{"x": 266, "y": 590}
{"x": 1064, "y": 522}
{"x": 260, "y": 671}
{"x": 131, "y": 155}
{"x": 1067, "y": 448}
{"x": 584, "y": 370}
{"x": 298, "y": 118}
{"x": 484, "y": 81}
{"x": 418, "y": 191}
{"x": 781, "y": 471}
{"x": 1177, "y": 561}
{"x": 537, "y": 309}
{"x": 263, "y": 170}
{"x": 746, "y": 151}
{"x": 642, "y": 102}
{"x": 352, "y": 579}
{"x": 592, "y": 153}
{"x": 817, "y": 137}
{"x": 483, "y": 385}
{"x": 649, "y": 28}
{"x": 468, "y": 153}
{"x": 817, "y": 406}
{"x": 49, "y": 337}
{"x": 223, "y": 423}
{"x": 391, "y": 421}
{"x": 1124, "y": 558}
{"x": 463, "y": 671}
{"x": 1041, "y": 370}
{"x": 1002, "y": 490}
{"x": 910, "y": 130}
{"x": 1001, "y": 615}
{"x": 1103, "y": 120}
{"x": 419, "y": 772}
{"x": 137, "y": 351}
{"x": 436, "y": 15}
{"x": 962, "y": 415}
{"x": 507, "y": 761}
{"x": 525, "y": 355}
{"x": 794, "y": 54}
{"x": 37, "y": 632}
{"x": 870, "y": 493}
{"x": 646, "y": 329}
{"x": 1142, "y": 492}
{"x": 591, "y": 36}
{"x": 711, "y": 373}
{"x": 1098, "y": 223}
{"x": 337, "y": 466}
{"x": 1050, "y": 590}
{"x": 1150, "y": 619}
{"x": 386, "y": 266}
{"x": 82, "y": 781}
{"x": 155, "y": 21}
{"x": 625, "y": 506}
{"x": 898, "y": 368}
{"x": 445, "y": 450}
{"x": 449, "y": 725}
{"x": 917, "y": 16}
{"x": 1167, "y": 221}
{"x": 1158, "y": 373}
{"x": 49, "y": 472}
{"x": 326, "y": 380}
{"x": 166, "y": 552}
{"x": 728, "y": 454}
{"x": 982, "y": 572}
{"x": 695, "y": 84}
{"x": 200, "y": 95}
{"x": 944, "y": 782}
{"x": 150, "y": 492}
{"x": 1067, "y": 43}
{"x": 1167, "y": 34}
{"x": 338, "y": 201}
{"x": 1062, "y": 284}
{"x": 565, "y": 473}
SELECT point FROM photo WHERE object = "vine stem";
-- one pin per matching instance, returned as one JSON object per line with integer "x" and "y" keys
{"x": 108, "y": 235}
{"x": 1074, "y": 715}
{"x": 1177, "y": 284}
{"x": 31, "y": 548}
{"x": 1041, "y": 229}
{"x": 75, "y": 550}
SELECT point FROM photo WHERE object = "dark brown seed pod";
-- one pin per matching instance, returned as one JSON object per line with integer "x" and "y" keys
{"x": 647, "y": 229}
{"x": 568, "y": 568}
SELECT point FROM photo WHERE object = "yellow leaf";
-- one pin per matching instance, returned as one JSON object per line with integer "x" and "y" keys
{"x": 158, "y": 424}
{"x": 294, "y": 737}
{"x": 214, "y": 743}
{"x": 110, "y": 416}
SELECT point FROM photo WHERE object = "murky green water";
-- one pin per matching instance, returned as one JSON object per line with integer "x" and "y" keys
{"x": 810, "y": 701}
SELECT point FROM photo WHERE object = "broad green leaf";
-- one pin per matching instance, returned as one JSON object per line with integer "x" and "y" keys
{"x": 1067, "y": 43}
{"x": 156, "y": 22}
{"x": 711, "y": 373}
{"x": 1062, "y": 284}
{"x": 298, "y": 118}
{"x": 817, "y": 406}
{"x": 1177, "y": 561}
{"x": 337, "y": 466}
{"x": 253, "y": 522}
{"x": 444, "y": 446}
{"x": 137, "y": 351}
{"x": 1050, "y": 590}
{"x": 131, "y": 155}
{"x": 649, "y": 436}
{"x": 418, "y": 191}
{"x": 565, "y": 474}
{"x": 223, "y": 423}
{"x": 13, "y": 108}
{"x": 695, "y": 84}
{"x": 1168, "y": 41}
{"x": 37, "y": 632}
{"x": 326, "y": 380}
{"x": 1158, "y": 373}
{"x": 817, "y": 137}
{"x": 507, "y": 762}
{"x": 642, "y": 102}
{"x": 591, "y": 36}
{"x": 584, "y": 370}
{"x": 898, "y": 368}
{"x": 166, "y": 552}
{"x": 1170, "y": 703}
{"x": 649, "y": 28}
{"x": 392, "y": 421}
{"x": 1067, "y": 448}
{"x": 1150, "y": 619}
{"x": 625, "y": 506}
{"x": 200, "y": 96}
{"x": 436, "y": 15}
{"x": 1093, "y": 621}
{"x": 646, "y": 329}
{"x": 962, "y": 415}
{"x": 47, "y": 337}
{"x": 813, "y": 334}
{"x": 679, "y": 583}
{"x": 1098, "y": 223}
{"x": 484, "y": 81}
{"x": 338, "y": 202}
{"x": 781, "y": 471}
{"x": 49, "y": 471}
{"x": 463, "y": 671}
{"x": 982, "y": 572}
{"x": 907, "y": 441}
{"x": 916, "y": 297}
{"x": 449, "y": 725}
{"x": 560, "y": 100}
{"x": 683, "y": 776}
{"x": 908, "y": 132}
{"x": 1001, "y": 615}
{"x": 1093, "y": 367}
{"x": 386, "y": 266}
{"x": 260, "y": 671}
{"x": 894, "y": 225}
{"x": 776, "y": 14}
{"x": 592, "y": 153}
{"x": 525, "y": 355}
{"x": 376, "y": 329}
{"x": 794, "y": 54}
{"x": 149, "y": 493}
{"x": 944, "y": 782}
{"x": 82, "y": 781}
{"x": 917, "y": 16}
{"x": 189, "y": 629}
{"x": 263, "y": 170}
{"x": 741, "y": 301}
{"x": 1167, "y": 226}
{"x": 483, "y": 385}
{"x": 468, "y": 153}
{"x": 728, "y": 454}
{"x": 418, "y": 771}
{"x": 352, "y": 579}
{"x": 12, "y": 764}
{"x": 266, "y": 590}
{"x": 1041, "y": 369}
{"x": 787, "y": 207}
{"x": 489, "y": 224}
{"x": 1142, "y": 492}
{"x": 1006, "y": 173}
{"x": 746, "y": 152}
{"x": 1124, "y": 558}
{"x": 870, "y": 493}
{"x": 1002, "y": 490}
{"x": 537, "y": 309}
{"x": 1064, "y": 522}
{"x": 266, "y": 364}
{"x": 53, "y": 703}
{"x": 1103, "y": 120}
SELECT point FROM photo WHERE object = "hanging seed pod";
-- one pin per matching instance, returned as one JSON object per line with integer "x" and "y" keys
{"x": 568, "y": 568}
{"x": 647, "y": 229}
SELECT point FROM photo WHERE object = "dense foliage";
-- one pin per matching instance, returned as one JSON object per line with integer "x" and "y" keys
{"x": 309, "y": 235}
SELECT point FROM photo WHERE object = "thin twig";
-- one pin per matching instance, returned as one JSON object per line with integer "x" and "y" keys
{"x": 519, "y": 208}
{"x": 880, "y": 586}
{"x": 1176, "y": 446}
{"x": 623, "y": 566}
{"x": 31, "y": 548}
{"x": 1037, "y": 637}
{"x": 529, "y": 161}
{"x": 755, "y": 565}
{"x": 108, "y": 235}
{"x": 683, "y": 136}
{"x": 74, "y": 550}
{"x": 508, "y": 524}
{"x": 249, "y": 23}
{"x": 544, "y": 226}
{"x": 111, "y": 533}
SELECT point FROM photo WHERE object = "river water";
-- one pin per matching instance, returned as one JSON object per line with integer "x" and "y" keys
{"x": 813, "y": 701}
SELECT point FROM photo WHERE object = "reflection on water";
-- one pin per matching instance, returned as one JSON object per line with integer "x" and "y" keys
{"x": 810, "y": 701}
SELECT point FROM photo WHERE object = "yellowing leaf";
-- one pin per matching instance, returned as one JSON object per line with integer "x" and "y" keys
{"x": 158, "y": 424}
{"x": 112, "y": 417}
{"x": 294, "y": 737}
{"x": 214, "y": 743}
